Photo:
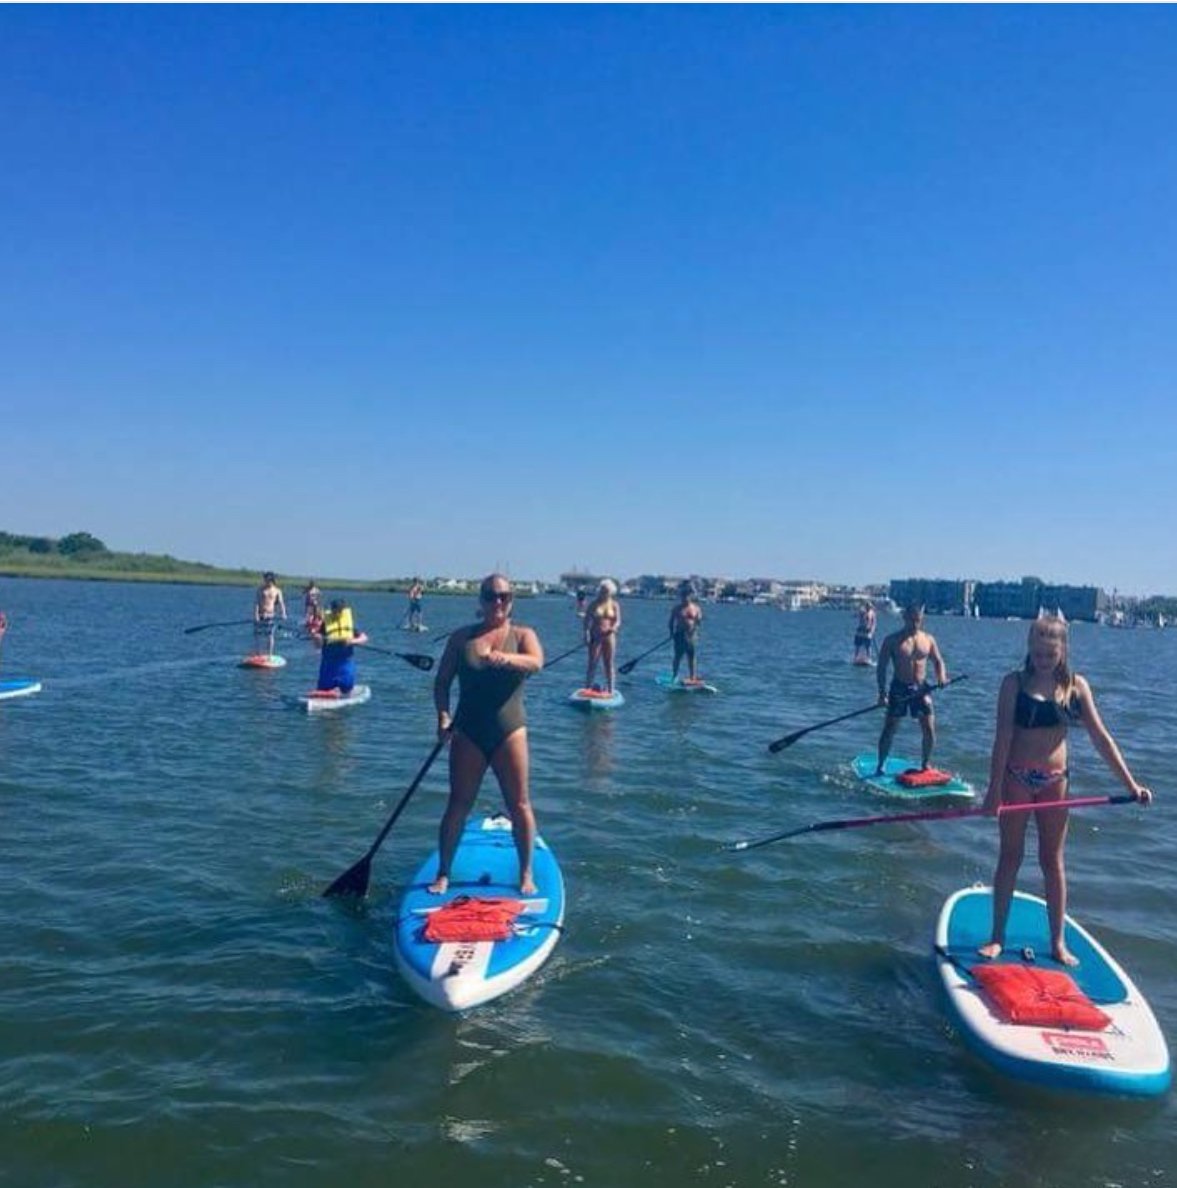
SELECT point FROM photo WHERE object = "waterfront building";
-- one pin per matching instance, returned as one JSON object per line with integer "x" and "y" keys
{"x": 937, "y": 595}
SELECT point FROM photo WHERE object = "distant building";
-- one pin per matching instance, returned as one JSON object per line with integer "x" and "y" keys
{"x": 936, "y": 595}
{"x": 1024, "y": 599}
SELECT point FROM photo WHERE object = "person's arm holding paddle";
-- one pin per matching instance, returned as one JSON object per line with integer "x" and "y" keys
{"x": 884, "y": 661}
{"x": 937, "y": 660}
{"x": 1103, "y": 742}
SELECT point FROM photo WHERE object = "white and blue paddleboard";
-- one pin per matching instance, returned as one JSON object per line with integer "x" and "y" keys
{"x": 681, "y": 684}
{"x": 458, "y": 975}
{"x": 18, "y": 687}
{"x": 596, "y": 699}
{"x": 865, "y": 767}
{"x": 1128, "y": 1057}
{"x": 319, "y": 701}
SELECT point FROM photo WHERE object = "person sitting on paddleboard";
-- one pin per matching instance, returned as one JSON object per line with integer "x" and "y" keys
{"x": 602, "y": 621}
{"x": 268, "y": 604}
{"x": 416, "y": 590}
{"x": 491, "y": 660}
{"x": 1035, "y": 707}
{"x": 864, "y": 633}
{"x": 338, "y": 636}
{"x": 685, "y": 618}
{"x": 909, "y": 649}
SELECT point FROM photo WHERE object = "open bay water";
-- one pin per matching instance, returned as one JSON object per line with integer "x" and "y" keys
{"x": 180, "y": 1007}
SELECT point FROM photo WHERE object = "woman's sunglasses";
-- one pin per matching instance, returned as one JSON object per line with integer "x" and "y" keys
{"x": 496, "y": 596}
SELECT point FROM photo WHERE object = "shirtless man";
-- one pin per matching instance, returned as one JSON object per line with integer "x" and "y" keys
{"x": 266, "y": 607}
{"x": 864, "y": 633}
{"x": 685, "y": 618}
{"x": 909, "y": 650}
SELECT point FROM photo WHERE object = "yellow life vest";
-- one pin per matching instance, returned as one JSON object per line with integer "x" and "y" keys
{"x": 338, "y": 627}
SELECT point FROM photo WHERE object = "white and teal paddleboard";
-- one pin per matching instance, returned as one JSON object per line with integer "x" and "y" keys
{"x": 681, "y": 684}
{"x": 596, "y": 699}
{"x": 319, "y": 701}
{"x": 18, "y": 687}
{"x": 887, "y": 784}
{"x": 458, "y": 975}
{"x": 1127, "y": 1057}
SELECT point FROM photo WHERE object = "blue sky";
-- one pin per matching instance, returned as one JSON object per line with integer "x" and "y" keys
{"x": 834, "y": 292}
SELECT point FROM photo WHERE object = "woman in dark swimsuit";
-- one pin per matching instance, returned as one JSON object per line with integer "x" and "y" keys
{"x": 491, "y": 660}
{"x": 1029, "y": 763}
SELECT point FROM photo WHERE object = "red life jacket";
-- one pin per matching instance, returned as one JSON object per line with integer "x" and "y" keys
{"x": 914, "y": 777}
{"x": 1038, "y": 997}
{"x": 468, "y": 918}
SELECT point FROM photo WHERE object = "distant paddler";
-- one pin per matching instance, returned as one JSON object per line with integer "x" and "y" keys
{"x": 338, "y": 637}
{"x": 685, "y": 619}
{"x": 909, "y": 650}
{"x": 267, "y": 606}
{"x": 416, "y": 594}
{"x": 602, "y": 622}
{"x": 312, "y": 607}
{"x": 864, "y": 634}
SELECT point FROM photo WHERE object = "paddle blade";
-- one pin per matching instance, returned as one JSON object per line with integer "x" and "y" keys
{"x": 627, "y": 667}
{"x": 353, "y": 882}
{"x": 424, "y": 663}
{"x": 787, "y": 741}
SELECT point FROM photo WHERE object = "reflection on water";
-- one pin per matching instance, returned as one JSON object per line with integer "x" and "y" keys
{"x": 597, "y": 734}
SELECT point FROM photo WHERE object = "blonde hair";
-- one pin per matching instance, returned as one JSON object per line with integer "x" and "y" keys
{"x": 1064, "y": 679}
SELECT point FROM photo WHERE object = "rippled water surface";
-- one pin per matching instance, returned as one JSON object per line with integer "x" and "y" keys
{"x": 179, "y": 1006}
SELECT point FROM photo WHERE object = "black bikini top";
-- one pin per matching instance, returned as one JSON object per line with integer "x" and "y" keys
{"x": 1039, "y": 713}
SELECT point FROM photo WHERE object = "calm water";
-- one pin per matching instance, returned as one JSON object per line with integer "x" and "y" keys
{"x": 179, "y": 1006}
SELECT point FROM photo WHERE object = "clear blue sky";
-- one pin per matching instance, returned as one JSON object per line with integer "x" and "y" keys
{"x": 838, "y": 292}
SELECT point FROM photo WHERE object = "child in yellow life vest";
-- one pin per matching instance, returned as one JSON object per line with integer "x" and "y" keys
{"x": 337, "y": 668}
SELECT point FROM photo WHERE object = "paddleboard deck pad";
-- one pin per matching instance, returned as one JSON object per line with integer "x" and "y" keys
{"x": 596, "y": 699}
{"x": 18, "y": 687}
{"x": 682, "y": 684}
{"x": 1128, "y": 1056}
{"x": 888, "y": 783}
{"x": 319, "y": 701}
{"x": 457, "y": 975}
{"x": 262, "y": 660}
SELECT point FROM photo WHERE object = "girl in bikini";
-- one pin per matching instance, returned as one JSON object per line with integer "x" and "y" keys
{"x": 1036, "y": 706}
{"x": 491, "y": 660}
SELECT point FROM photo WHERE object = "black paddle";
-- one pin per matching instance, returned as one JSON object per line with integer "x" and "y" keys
{"x": 563, "y": 655}
{"x": 629, "y": 665}
{"x": 230, "y": 623}
{"x": 424, "y": 663}
{"x": 1028, "y": 806}
{"x": 790, "y": 739}
{"x": 354, "y": 880}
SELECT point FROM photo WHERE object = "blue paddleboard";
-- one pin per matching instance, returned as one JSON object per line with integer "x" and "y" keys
{"x": 457, "y": 975}
{"x": 18, "y": 687}
{"x": 681, "y": 684}
{"x": 1127, "y": 1057}
{"x": 887, "y": 785}
{"x": 596, "y": 699}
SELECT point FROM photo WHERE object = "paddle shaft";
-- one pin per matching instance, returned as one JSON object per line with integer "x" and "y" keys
{"x": 354, "y": 881}
{"x": 789, "y": 739}
{"x": 230, "y": 623}
{"x": 933, "y": 815}
{"x": 629, "y": 665}
{"x": 416, "y": 659}
{"x": 563, "y": 655}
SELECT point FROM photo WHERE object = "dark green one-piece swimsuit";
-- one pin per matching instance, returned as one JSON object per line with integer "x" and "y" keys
{"x": 490, "y": 700}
